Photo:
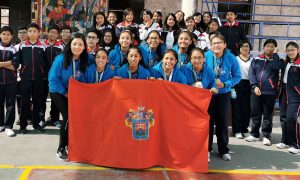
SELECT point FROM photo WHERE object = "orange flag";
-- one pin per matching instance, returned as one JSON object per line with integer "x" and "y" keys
{"x": 139, "y": 124}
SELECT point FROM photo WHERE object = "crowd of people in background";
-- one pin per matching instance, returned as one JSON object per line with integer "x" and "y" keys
{"x": 196, "y": 51}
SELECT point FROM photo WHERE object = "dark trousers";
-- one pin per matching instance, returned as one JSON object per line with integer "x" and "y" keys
{"x": 30, "y": 89}
{"x": 54, "y": 113}
{"x": 283, "y": 109}
{"x": 8, "y": 94}
{"x": 262, "y": 105}
{"x": 218, "y": 111}
{"x": 18, "y": 97}
{"x": 241, "y": 108}
{"x": 293, "y": 111}
{"x": 62, "y": 104}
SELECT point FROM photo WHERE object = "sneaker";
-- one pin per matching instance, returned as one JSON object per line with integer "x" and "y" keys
{"x": 57, "y": 124}
{"x": 294, "y": 150}
{"x": 208, "y": 156}
{"x": 251, "y": 138}
{"x": 23, "y": 131}
{"x": 62, "y": 154}
{"x": 238, "y": 135}
{"x": 282, "y": 146}
{"x": 38, "y": 129}
{"x": 2, "y": 128}
{"x": 246, "y": 135}
{"x": 42, "y": 124}
{"x": 10, "y": 132}
{"x": 226, "y": 157}
{"x": 267, "y": 142}
{"x": 29, "y": 122}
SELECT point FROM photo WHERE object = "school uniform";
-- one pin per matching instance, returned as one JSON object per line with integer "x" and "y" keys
{"x": 170, "y": 38}
{"x": 227, "y": 70}
{"x": 133, "y": 28}
{"x": 264, "y": 73}
{"x": 116, "y": 57}
{"x": 124, "y": 73}
{"x": 293, "y": 105}
{"x": 151, "y": 58}
{"x": 233, "y": 34}
{"x": 33, "y": 73}
{"x": 8, "y": 86}
{"x": 51, "y": 51}
{"x": 206, "y": 76}
{"x": 100, "y": 29}
{"x": 58, "y": 86}
{"x": 183, "y": 58}
{"x": 241, "y": 105}
{"x": 93, "y": 76}
{"x": 144, "y": 30}
{"x": 175, "y": 76}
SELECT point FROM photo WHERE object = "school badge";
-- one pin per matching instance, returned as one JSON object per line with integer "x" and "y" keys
{"x": 140, "y": 122}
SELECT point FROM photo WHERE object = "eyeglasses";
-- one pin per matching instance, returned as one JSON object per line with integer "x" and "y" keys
{"x": 107, "y": 36}
{"x": 245, "y": 46}
{"x": 22, "y": 32}
{"x": 198, "y": 58}
{"x": 290, "y": 50}
{"x": 66, "y": 32}
{"x": 216, "y": 43}
{"x": 92, "y": 37}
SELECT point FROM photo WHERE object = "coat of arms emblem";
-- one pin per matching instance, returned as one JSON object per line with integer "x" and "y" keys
{"x": 140, "y": 122}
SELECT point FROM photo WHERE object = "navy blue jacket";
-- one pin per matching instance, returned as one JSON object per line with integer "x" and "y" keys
{"x": 229, "y": 73}
{"x": 92, "y": 74}
{"x": 177, "y": 76}
{"x": 151, "y": 55}
{"x": 207, "y": 76}
{"x": 142, "y": 73}
{"x": 59, "y": 75}
{"x": 264, "y": 73}
{"x": 33, "y": 61}
{"x": 7, "y": 53}
{"x": 293, "y": 83}
{"x": 52, "y": 51}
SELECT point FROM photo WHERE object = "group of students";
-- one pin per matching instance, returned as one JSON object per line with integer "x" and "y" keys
{"x": 249, "y": 85}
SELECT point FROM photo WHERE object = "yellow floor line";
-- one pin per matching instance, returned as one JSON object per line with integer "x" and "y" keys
{"x": 6, "y": 166}
{"x": 252, "y": 172}
{"x": 25, "y": 174}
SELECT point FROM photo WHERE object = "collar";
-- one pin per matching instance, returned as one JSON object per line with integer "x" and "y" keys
{"x": 235, "y": 23}
{"x": 5, "y": 45}
{"x": 37, "y": 43}
{"x": 297, "y": 60}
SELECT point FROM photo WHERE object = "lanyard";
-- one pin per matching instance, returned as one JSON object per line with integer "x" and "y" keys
{"x": 170, "y": 77}
{"x": 150, "y": 59}
{"x": 74, "y": 69}
{"x": 196, "y": 77}
{"x": 130, "y": 74}
{"x": 98, "y": 79}
{"x": 217, "y": 68}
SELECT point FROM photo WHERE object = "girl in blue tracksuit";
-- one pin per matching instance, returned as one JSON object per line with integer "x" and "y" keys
{"x": 153, "y": 50}
{"x": 197, "y": 73}
{"x": 293, "y": 98}
{"x": 166, "y": 70}
{"x": 263, "y": 76}
{"x": 133, "y": 69}
{"x": 118, "y": 55}
{"x": 99, "y": 71}
{"x": 183, "y": 48}
{"x": 227, "y": 71}
{"x": 72, "y": 63}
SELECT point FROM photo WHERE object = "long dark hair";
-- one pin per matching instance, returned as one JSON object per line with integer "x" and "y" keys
{"x": 68, "y": 55}
{"x": 159, "y": 50}
{"x": 94, "y": 19}
{"x": 166, "y": 26}
{"x": 141, "y": 62}
{"x": 103, "y": 44}
{"x": 172, "y": 51}
{"x": 294, "y": 44}
{"x": 181, "y": 24}
{"x": 192, "y": 45}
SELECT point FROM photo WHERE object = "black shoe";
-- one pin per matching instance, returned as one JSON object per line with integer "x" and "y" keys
{"x": 38, "y": 129}
{"x": 62, "y": 154}
{"x": 22, "y": 131}
{"x": 29, "y": 122}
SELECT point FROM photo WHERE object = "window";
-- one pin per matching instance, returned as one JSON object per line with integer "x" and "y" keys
{"x": 4, "y": 21}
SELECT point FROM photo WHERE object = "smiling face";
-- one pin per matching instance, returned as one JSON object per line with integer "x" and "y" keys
{"x": 101, "y": 59}
{"x": 217, "y": 46}
{"x": 206, "y": 18}
{"x": 153, "y": 40}
{"x": 129, "y": 17}
{"x": 213, "y": 26}
{"x": 112, "y": 18}
{"x": 6, "y": 37}
{"x": 245, "y": 49}
{"x": 125, "y": 39}
{"x": 171, "y": 21}
{"x": 100, "y": 19}
{"x": 197, "y": 59}
{"x": 92, "y": 39}
{"x": 179, "y": 16}
{"x": 77, "y": 47}
{"x": 190, "y": 24}
{"x": 133, "y": 57}
{"x": 184, "y": 40}
{"x": 230, "y": 17}
{"x": 169, "y": 61}
{"x": 292, "y": 51}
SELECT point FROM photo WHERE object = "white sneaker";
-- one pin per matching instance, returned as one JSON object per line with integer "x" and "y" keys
{"x": 251, "y": 138}
{"x": 10, "y": 132}
{"x": 2, "y": 128}
{"x": 246, "y": 135}
{"x": 239, "y": 136}
{"x": 294, "y": 150}
{"x": 267, "y": 142}
{"x": 208, "y": 156}
{"x": 282, "y": 146}
{"x": 226, "y": 157}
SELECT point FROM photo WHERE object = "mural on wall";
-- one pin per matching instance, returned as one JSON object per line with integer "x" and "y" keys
{"x": 75, "y": 13}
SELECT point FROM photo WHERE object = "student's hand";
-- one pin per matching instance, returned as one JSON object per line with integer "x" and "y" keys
{"x": 220, "y": 85}
{"x": 117, "y": 77}
{"x": 257, "y": 91}
{"x": 152, "y": 78}
{"x": 214, "y": 90}
{"x": 159, "y": 78}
